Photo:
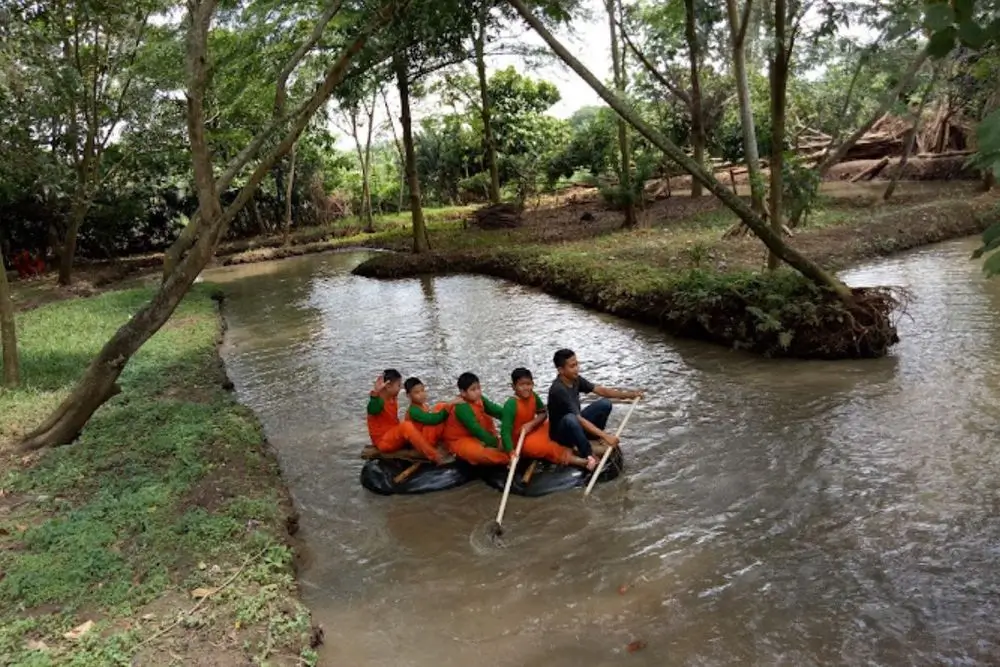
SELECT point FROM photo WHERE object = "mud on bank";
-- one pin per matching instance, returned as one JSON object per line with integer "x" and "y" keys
{"x": 713, "y": 291}
{"x": 164, "y": 534}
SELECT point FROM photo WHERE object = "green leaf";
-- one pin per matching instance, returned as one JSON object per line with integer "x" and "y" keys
{"x": 964, "y": 10}
{"x": 938, "y": 16}
{"x": 991, "y": 241}
{"x": 991, "y": 233}
{"x": 991, "y": 266}
{"x": 988, "y": 133}
{"x": 971, "y": 34}
{"x": 941, "y": 43}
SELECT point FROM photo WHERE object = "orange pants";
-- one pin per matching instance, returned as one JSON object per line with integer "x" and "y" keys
{"x": 537, "y": 445}
{"x": 476, "y": 453}
{"x": 407, "y": 432}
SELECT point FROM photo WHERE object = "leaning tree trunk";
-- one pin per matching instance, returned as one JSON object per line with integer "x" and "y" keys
{"x": 489, "y": 140}
{"x": 773, "y": 241}
{"x": 911, "y": 138}
{"x": 779, "y": 84}
{"x": 8, "y": 332}
{"x": 421, "y": 242}
{"x": 288, "y": 196}
{"x": 99, "y": 381}
{"x": 624, "y": 149}
{"x": 737, "y": 30}
{"x": 698, "y": 140}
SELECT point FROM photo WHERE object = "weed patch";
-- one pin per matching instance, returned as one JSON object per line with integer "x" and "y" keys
{"x": 170, "y": 488}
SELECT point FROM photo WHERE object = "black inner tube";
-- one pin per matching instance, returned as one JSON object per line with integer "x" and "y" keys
{"x": 549, "y": 477}
{"x": 377, "y": 476}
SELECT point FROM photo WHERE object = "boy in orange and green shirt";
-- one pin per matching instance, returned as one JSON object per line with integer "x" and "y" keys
{"x": 469, "y": 431}
{"x": 387, "y": 433}
{"x": 525, "y": 410}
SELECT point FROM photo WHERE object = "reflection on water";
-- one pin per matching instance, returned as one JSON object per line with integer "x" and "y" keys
{"x": 772, "y": 512}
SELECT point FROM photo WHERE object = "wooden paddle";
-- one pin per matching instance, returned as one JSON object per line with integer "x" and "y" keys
{"x": 496, "y": 530}
{"x": 607, "y": 452}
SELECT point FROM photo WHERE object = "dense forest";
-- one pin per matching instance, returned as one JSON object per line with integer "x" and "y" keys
{"x": 97, "y": 154}
{"x": 159, "y": 126}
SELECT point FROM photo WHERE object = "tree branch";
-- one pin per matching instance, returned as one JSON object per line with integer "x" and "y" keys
{"x": 651, "y": 68}
{"x": 334, "y": 76}
{"x": 300, "y": 53}
{"x": 120, "y": 105}
{"x": 744, "y": 24}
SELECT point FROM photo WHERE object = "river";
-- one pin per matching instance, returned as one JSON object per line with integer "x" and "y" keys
{"x": 771, "y": 513}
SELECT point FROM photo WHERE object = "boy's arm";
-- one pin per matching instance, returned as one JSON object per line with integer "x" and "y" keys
{"x": 492, "y": 409}
{"x": 540, "y": 415}
{"x": 375, "y": 404}
{"x": 507, "y": 424}
{"x": 427, "y": 418}
{"x": 467, "y": 417}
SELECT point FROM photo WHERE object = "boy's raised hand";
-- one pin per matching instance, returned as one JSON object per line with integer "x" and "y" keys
{"x": 379, "y": 384}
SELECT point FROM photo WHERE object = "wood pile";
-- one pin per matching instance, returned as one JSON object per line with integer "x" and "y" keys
{"x": 941, "y": 133}
{"x": 497, "y": 216}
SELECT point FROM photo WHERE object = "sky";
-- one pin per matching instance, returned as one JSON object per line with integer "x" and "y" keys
{"x": 588, "y": 41}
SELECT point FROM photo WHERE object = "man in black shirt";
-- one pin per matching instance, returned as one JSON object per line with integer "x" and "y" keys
{"x": 569, "y": 425}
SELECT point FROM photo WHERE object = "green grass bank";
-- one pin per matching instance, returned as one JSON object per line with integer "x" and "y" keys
{"x": 684, "y": 277}
{"x": 162, "y": 536}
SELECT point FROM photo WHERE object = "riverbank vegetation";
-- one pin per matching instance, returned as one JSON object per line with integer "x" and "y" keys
{"x": 163, "y": 534}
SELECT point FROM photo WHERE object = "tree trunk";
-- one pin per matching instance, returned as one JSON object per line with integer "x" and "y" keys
{"x": 779, "y": 84}
{"x": 67, "y": 249}
{"x": 737, "y": 30}
{"x": 399, "y": 150}
{"x": 489, "y": 141}
{"x": 86, "y": 172}
{"x": 288, "y": 196}
{"x": 366, "y": 200}
{"x": 911, "y": 138}
{"x": 367, "y": 189}
{"x": 773, "y": 241}
{"x": 697, "y": 115}
{"x": 8, "y": 332}
{"x": 421, "y": 242}
{"x": 989, "y": 180}
{"x": 624, "y": 149}
{"x": 98, "y": 383}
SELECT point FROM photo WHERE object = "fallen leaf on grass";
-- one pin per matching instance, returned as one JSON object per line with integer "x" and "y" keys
{"x": 35, "y": 645}
{"x": 199, "y": 593}
{"x": 79, "y": 630}
{"x": 637, "y": 645}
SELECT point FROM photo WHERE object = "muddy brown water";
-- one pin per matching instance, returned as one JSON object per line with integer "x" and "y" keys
{"x": 771, "y": 513}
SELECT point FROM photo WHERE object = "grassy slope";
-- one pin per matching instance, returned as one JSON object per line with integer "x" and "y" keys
{"x": 170, "y": 488}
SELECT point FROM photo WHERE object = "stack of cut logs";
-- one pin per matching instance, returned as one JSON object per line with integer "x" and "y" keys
{"x": 497, "y": 216}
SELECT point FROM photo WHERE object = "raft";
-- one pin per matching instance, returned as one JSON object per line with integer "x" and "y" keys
{"x": 535, "y": 478}
{"x": 410, "y": 474}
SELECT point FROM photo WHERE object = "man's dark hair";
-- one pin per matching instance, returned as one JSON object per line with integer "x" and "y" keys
{"x": 562, "y": 356}
{"x": 519, "y": 374}
{"x": 411, "y": 383}
{"x": 466, "y": 380}
{"x": 391, "y": 375}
